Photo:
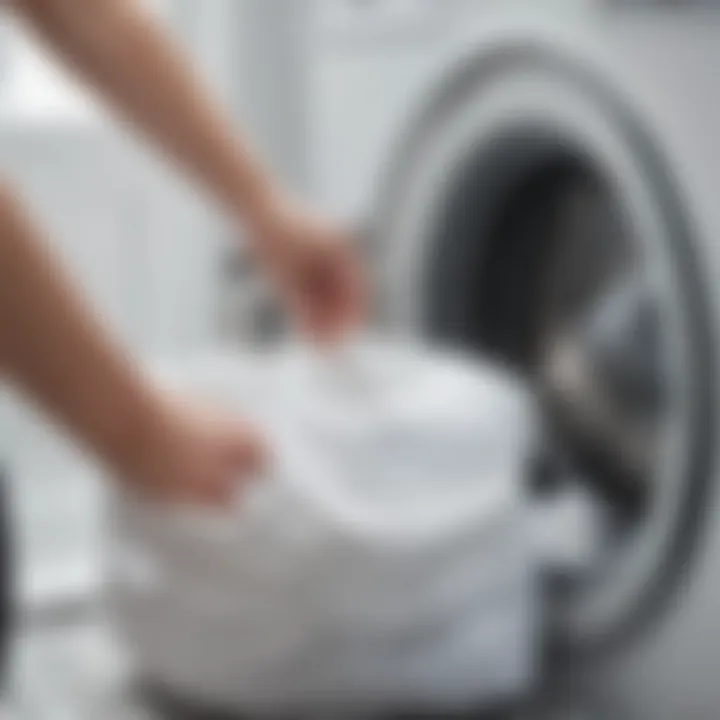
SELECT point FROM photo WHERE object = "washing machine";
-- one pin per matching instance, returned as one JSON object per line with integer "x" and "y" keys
{"x": 539, "y": 182}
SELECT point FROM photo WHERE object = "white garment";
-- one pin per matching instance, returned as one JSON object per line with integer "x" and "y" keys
{"x": 385, "y": 561}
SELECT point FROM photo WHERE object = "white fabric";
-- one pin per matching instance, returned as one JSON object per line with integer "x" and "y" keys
{"x": 385, "y": 560}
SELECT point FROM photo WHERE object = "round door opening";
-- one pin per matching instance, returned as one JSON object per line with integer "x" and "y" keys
{"x": 536, "y": 260}
{"x": 543, "y": 273}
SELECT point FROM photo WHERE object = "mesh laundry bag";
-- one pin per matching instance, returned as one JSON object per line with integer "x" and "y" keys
{"x": 384, "y": 561}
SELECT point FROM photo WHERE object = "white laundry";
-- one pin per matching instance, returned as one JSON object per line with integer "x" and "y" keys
{"x": 386, "y": 559}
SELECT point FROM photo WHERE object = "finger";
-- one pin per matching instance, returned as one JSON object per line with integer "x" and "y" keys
{"x": 321, "y": 305}
{"x": 353, "y": 294}
{"x": 326, "y": 302}
{"x": 246, "y": 454}
{"x": 218, "y": 493}
{"x": 358, "y": 288}
{"x": 342, "y": 305}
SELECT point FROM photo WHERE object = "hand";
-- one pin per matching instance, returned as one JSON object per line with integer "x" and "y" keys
{"x": 315, "y": 268}
{"x": 194, "y": 455}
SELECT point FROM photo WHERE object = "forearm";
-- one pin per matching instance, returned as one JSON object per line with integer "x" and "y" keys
{"x": 53, "y": 347}
{"x": 128, "y": 57}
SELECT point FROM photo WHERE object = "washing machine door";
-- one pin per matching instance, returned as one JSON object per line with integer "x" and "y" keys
{"x": 530, "y": 216}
